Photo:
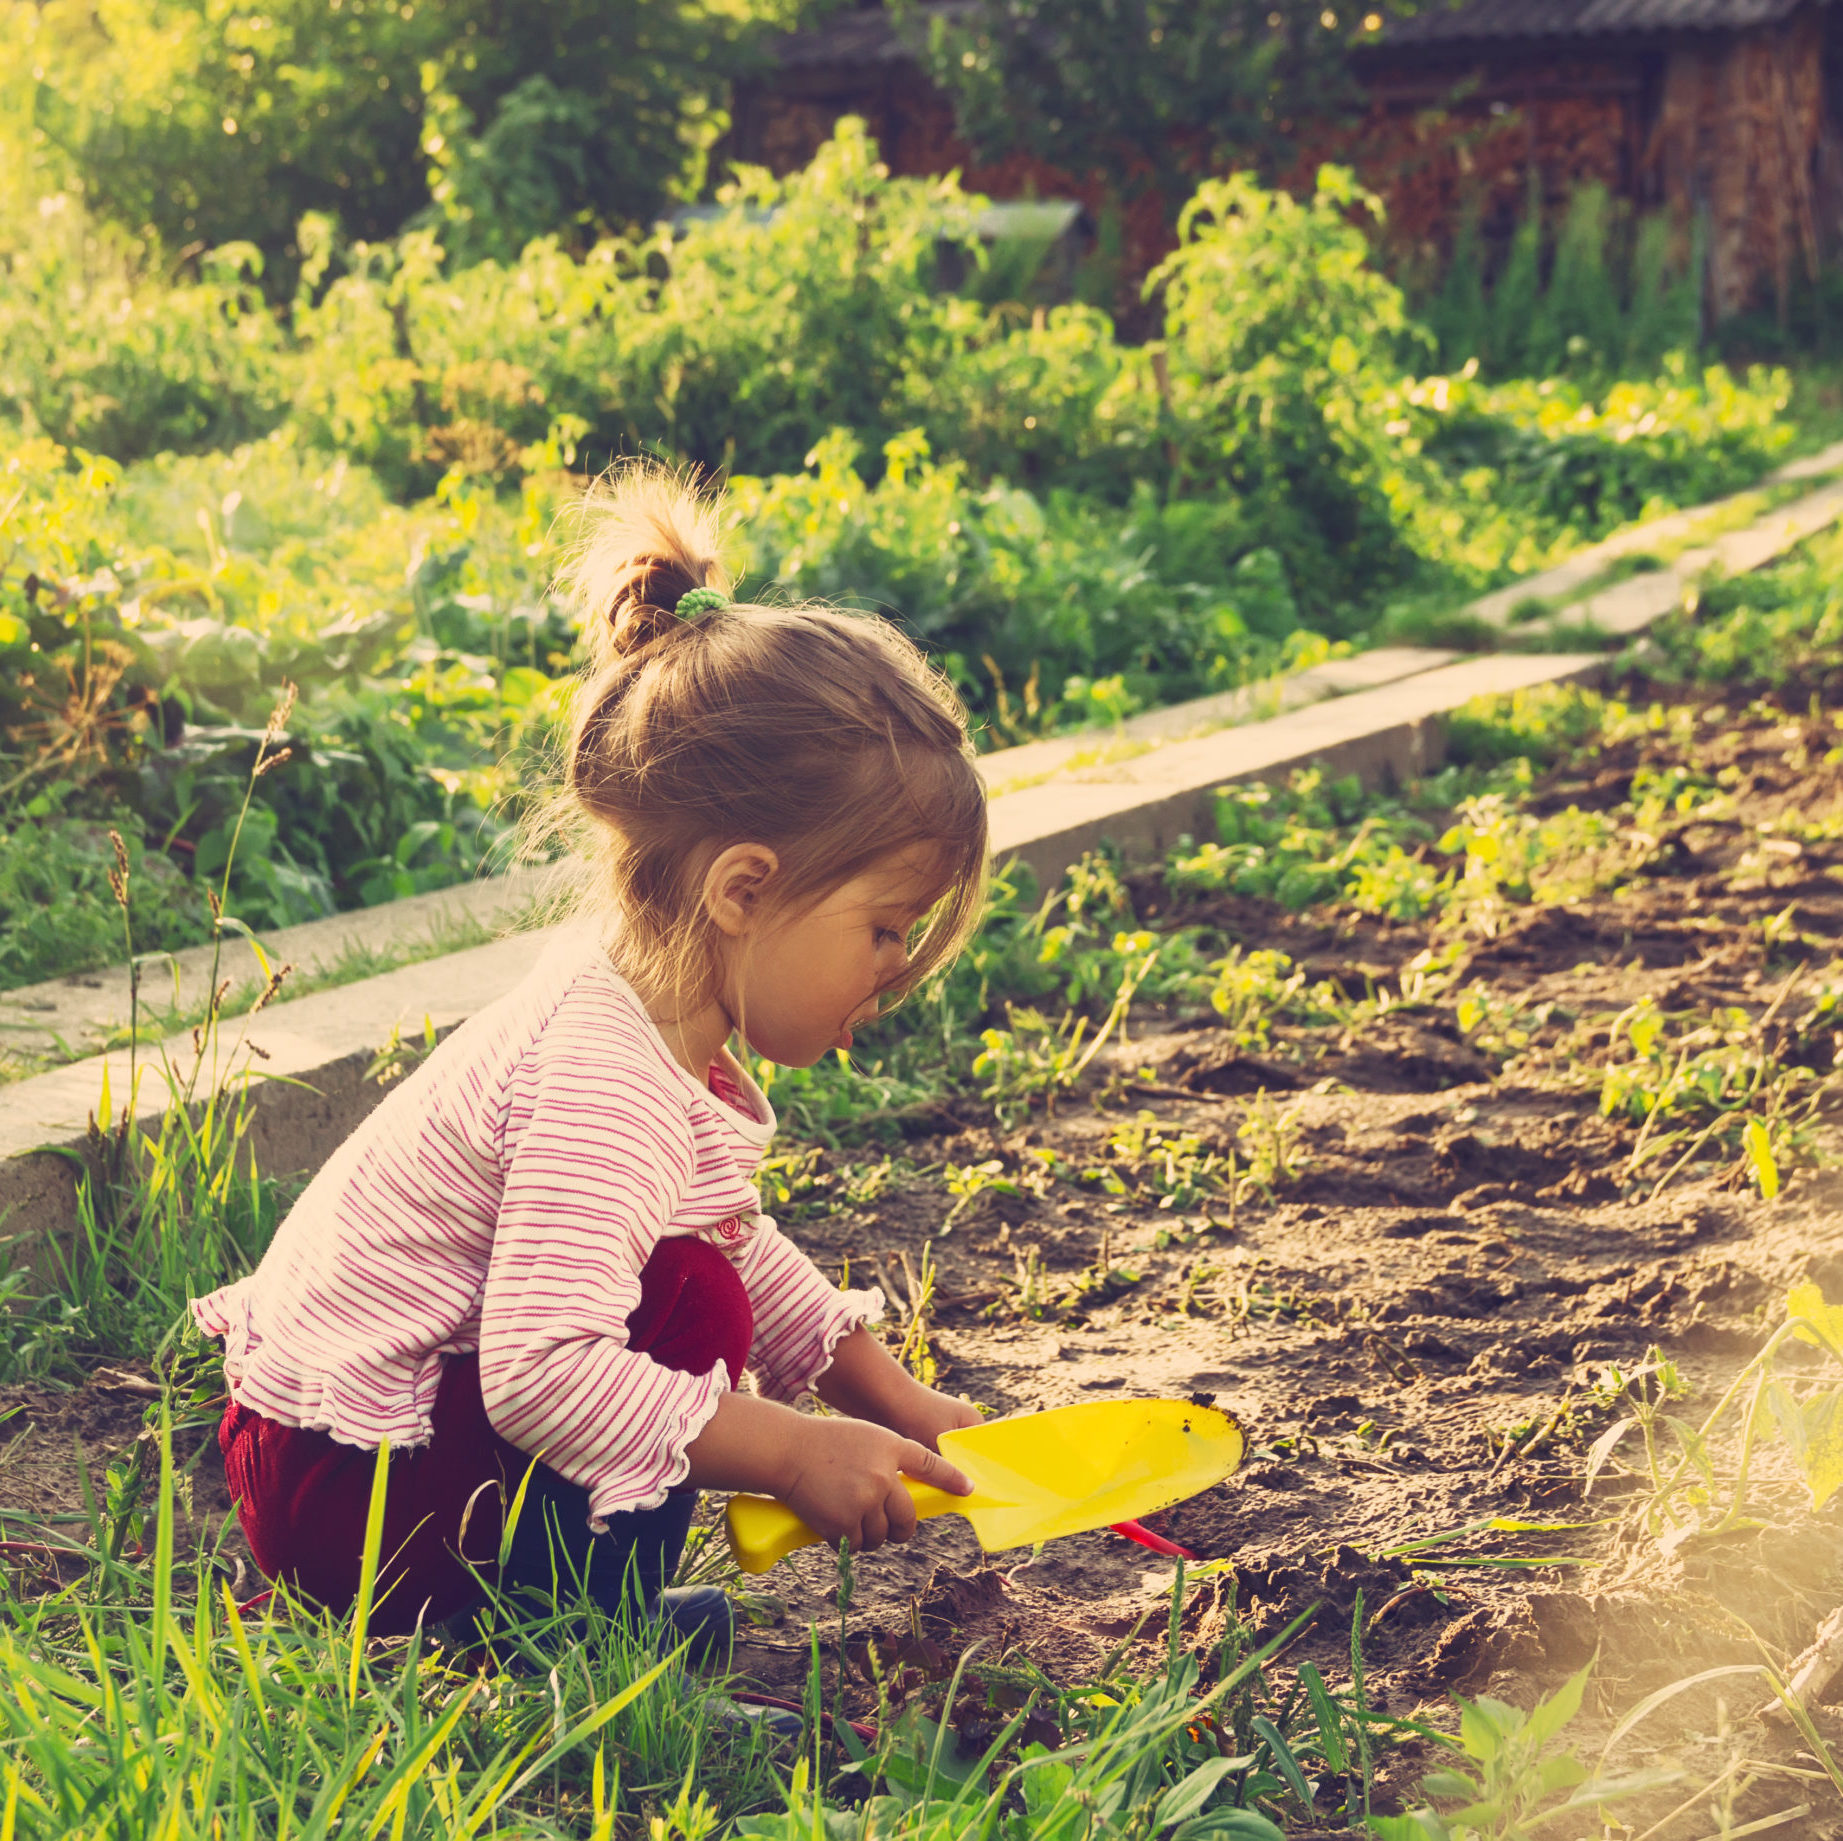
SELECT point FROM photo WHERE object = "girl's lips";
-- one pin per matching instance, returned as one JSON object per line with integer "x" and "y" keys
{"x": 844, "y": 1039}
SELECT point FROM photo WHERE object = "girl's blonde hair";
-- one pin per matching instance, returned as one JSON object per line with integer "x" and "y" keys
{"x": 823, "y": 734}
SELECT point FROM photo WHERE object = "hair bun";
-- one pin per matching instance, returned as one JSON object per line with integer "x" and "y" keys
{"x": 651, "y": 539}
{"x": 645, "y": 603}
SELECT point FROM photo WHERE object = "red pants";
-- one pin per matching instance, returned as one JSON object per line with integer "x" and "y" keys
{"x": 303, "y": 1498}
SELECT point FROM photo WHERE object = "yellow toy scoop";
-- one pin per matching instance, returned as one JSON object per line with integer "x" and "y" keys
{"x": 1041, "y": 1475}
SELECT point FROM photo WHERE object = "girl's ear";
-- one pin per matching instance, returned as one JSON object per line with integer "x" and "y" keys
{"x": 736, "y": 887}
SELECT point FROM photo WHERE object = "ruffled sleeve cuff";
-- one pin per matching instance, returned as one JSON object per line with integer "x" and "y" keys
{"x": 797, "y": 1361}
{"x": 692, "y": 1408}
{"x": 226, "y": 1313}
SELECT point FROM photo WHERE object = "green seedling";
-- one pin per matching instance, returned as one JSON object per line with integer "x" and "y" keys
{"x": 1709, "y": 1088}
{"x": 1256, "y": 990}
{"x": 1145, "y": 1160}
{"x": 1501, "y": 1026}
{"x": 966, "y": 1183}
{"x": 1510, "y": 1776}
{"x": 1032, "y": 1293}
{"x": 398, "y": 1057}
{"x": 1271, "y": 1154}
{"x": 1512, "y": 857}
{"x": 1034, "y": 1059}
{"x": 1692, "y": 1493}
{"x": 1245, "y": 1293}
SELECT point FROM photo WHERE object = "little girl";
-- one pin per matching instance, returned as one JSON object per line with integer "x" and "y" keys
{"x": 544, "y": 1252}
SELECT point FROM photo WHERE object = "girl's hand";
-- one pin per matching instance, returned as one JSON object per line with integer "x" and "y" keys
{"x": 924, "y": 1413}
{"x": 847, "y": 1485}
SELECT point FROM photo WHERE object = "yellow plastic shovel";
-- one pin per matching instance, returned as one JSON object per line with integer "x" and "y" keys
{"x": 1041, "y": 1475}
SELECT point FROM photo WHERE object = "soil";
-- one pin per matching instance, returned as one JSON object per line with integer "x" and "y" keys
{"x": 1414, "y": 1332}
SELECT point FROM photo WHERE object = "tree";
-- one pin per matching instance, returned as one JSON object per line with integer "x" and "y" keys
{"x": 1140, "y": 93}
{"x": 202, "y": 122}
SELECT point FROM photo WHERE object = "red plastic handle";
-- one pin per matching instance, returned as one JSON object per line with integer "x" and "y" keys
{"x": 1138, "y": 1531}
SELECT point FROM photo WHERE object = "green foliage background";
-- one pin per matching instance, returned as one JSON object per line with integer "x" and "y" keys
{"x": 328, "y": 432}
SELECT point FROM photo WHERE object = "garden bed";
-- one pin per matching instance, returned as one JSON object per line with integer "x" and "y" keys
{"x": 1393, "y": 1201}
{"x": 1416, "y": 1329}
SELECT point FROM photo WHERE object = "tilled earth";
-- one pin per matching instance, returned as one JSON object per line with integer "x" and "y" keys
{"x": 1413, "y": 1328}
{"x": 1415, "y": 1332}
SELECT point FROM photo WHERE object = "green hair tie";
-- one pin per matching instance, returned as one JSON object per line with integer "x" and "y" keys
{"x": 698, "y": 601}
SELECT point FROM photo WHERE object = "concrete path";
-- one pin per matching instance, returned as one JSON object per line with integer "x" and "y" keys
{"x": 82, "y": 1011}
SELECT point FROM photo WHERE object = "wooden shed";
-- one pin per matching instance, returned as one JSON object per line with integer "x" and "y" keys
{"x": 1724, "y": 112}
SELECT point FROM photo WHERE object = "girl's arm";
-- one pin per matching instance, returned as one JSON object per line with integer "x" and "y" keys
{"x": 867, "y": 1382}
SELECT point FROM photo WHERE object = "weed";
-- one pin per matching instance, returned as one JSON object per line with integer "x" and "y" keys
{"x": 1157, "y": 1756}
{"x": 155, "y": 1711}
{"x": 914, "y": 1354}
{"x": 1687, "y": 1492}
{"x": 966, "y": 1183}
{"x": 1272, "y": 1157}
{"x": 1035, "y": 1059}
{"x": 1255, "y": 990}
{"x": 1146, "y": 1160}
{"x": 1726, "y": 1091}
{"x": 1510, "y": 1775}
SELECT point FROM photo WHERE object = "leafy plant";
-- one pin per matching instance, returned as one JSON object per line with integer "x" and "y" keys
{"x": 1510, "y": 1776}
{"x": 1709, "y": 1087}
{"x": 1692, "y": 1494}
{"x": 1033, "y": 1058}
{"x": 1272, "y": 1156}
{"x": 1175, "y": 1168}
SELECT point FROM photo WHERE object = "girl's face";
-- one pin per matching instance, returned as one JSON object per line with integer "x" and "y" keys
{"x": 801, "y": 983}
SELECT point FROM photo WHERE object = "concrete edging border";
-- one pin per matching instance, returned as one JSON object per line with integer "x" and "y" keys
{"x": 313, "y": 1051}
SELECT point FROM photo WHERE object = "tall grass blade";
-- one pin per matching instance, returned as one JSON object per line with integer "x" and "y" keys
{"x": 368, "y": 1569}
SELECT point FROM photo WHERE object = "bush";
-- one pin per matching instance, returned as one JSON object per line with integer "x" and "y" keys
{"x": 96, "y": 354}
{"x": 1283, "y": 341}
{"x": 1028, "y": 600}
{"x": 203, "y": 125}
{"x": 1597, "y": 292}
{"x": 1074, "y": 526}
{"x": 148, "y": 630}
{"x": 1056, "y": 401}
{"x": 1585, "y": 461}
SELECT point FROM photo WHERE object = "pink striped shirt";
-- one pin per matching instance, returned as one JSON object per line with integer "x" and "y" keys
{"x": 504, "y": 1199}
